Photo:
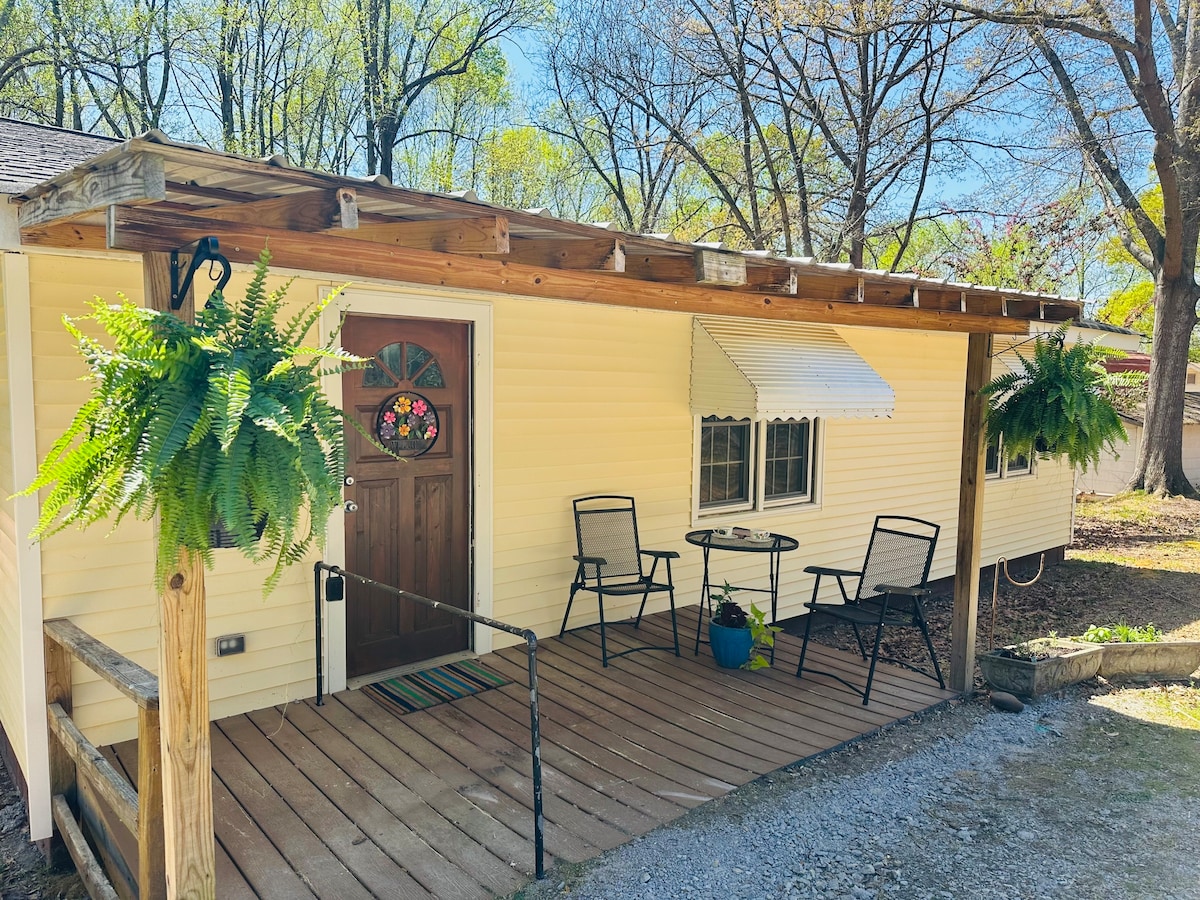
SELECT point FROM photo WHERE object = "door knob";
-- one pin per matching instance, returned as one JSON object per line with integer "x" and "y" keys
{"x": 351, "y": 506}
{"x": 348, "y": 480}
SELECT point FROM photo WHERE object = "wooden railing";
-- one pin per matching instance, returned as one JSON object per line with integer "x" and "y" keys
{"x": 82, "y": 779}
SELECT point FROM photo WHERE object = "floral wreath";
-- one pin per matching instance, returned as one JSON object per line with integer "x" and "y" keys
{"x": 407, "y": 424}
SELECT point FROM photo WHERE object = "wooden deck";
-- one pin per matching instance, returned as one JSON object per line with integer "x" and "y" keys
{"x": 349, "y": 800}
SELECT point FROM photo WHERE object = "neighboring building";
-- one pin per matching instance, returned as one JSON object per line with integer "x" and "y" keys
{"x": 715, "y": 387}
{"x": 1115, "y": 470}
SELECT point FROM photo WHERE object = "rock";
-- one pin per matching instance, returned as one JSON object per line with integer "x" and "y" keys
{"x": 1006, "y": 701}
{"x": 1026, "y": 835}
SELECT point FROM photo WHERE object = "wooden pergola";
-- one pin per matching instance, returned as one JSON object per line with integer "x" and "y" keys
{"x": 157, "y": 197}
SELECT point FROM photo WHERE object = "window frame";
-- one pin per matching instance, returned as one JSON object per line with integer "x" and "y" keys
{"x": 1002, "y": 470}
{"x": 751, "y": 454}
{"x": 757, "y": 501}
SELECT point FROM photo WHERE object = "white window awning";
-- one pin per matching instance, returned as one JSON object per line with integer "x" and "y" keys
{"x": 781, "y": 370}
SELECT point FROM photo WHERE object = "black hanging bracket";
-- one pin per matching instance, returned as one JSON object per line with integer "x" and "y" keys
{"x": 205, "y": 250}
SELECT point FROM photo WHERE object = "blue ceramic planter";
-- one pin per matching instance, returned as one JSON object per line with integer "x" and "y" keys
{"x": 730, "y": 646}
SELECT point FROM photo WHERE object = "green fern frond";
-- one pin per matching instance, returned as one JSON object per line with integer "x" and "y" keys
{"x": 221, "y": 420}
{"x": 1059, "y": 404}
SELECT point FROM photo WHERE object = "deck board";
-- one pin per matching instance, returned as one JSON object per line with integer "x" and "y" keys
{"x": 348, "y": 799}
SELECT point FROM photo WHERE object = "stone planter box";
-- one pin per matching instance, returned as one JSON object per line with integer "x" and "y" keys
{"x": 1152, "y": 660}
{"x": 1032, "y": 678}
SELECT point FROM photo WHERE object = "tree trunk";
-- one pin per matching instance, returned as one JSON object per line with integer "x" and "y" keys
{"x": 1160, "y": 460}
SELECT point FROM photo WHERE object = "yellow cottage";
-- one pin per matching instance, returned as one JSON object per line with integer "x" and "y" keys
{"x": 555, "y": 360}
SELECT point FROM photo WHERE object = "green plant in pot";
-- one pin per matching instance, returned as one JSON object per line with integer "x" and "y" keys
{"x": 1140, "y": 652}
{"x": 1039, "y": 666}
{"x": 737, "y": 638}
{"x": 1061, "y": 403}
{"x": 221, "y": 421}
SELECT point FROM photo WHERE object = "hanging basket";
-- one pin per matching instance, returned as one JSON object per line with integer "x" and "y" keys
{"x": 1060, "y": 403}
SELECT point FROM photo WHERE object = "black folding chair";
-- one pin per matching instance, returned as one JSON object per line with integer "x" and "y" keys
{"x": 610, "y": 564}
{"x": 890, "y": 593}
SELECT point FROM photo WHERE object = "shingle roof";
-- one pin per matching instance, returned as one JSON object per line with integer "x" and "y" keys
{"x": 1097, "y": 325}
{"x": 1191, "y": 411}
{"x": 31, "y": 154}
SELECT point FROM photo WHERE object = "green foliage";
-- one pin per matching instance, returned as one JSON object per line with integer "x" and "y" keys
{"x": 1131, "y": 308}
{"x": 764, "y": 639}
{"x": 1120, "y": 633}
{"x": 224, "y": 420}
{"x": 1134, "y": 308}
{"x": 1060, "y": 404}
{"x": 729, "y": 613}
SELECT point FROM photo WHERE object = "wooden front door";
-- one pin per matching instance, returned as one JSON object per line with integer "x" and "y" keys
{"x": 411, "y": 529}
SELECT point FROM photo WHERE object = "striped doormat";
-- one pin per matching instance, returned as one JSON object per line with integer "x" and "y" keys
{"x": 421, "y": 690}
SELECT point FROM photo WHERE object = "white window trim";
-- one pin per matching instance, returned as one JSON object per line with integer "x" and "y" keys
{"x": 1003, "y": 472}
{"x": 758, "y": 454}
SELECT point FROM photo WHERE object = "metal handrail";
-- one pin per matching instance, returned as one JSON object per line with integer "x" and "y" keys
{"x": 531, "y": 641}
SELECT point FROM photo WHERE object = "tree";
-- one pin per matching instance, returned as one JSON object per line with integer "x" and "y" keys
{"x": 1153, "y": 118}
{"x": 625, "y": 102}
{"x": 802, "y": 118}
{"x": 404, "y": 49}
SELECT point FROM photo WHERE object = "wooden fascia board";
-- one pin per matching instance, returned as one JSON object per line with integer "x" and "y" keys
{"x": 127, "y": 178}
{"x": 481, "y": 234}
{"x": 146, "y": 230}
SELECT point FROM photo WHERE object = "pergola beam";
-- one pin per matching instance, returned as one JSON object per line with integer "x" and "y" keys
{"x": 305, "y": 211}
{"x": 133, "y": 178}
{"x": 143, "y": 230}
{"x": 604, "y": 255}
{"x": 481, "y": 234}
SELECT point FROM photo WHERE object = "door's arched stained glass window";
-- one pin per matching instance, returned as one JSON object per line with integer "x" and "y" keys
{"x": 403, "y": 361}
{"x": 373, "y": 376}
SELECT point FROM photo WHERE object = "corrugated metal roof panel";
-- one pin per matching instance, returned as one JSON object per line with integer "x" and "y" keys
{"x": 780, "y": 370}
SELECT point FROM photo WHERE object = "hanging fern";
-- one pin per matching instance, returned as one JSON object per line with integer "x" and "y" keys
{"x": 224, "y": 420}
{"x": 1062, "y": 403}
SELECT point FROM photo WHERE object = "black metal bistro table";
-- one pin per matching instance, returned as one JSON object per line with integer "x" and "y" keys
{"x": 774, "y": 546}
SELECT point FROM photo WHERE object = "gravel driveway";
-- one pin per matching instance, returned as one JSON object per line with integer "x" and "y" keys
{"x": 1088, "y": 795}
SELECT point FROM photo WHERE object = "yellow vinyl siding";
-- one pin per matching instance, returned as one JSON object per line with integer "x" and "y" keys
{"x": 907, "y": 464}
{"x": 104, "y": 581}
{"x": 586, "y": 399}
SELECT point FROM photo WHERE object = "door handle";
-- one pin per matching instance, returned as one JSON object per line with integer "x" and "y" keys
{"x": 351, "y": 506}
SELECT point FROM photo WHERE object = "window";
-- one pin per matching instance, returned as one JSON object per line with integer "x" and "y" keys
{"x": 997, "y": 463}
{"x": 755, "y": 465}
{"x": 724, "y": 462}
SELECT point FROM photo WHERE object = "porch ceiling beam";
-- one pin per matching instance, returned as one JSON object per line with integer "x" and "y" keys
{"x": 604, "y": 255}
{"x": 137, "y": 229}
{"x": 483, "y": 234}
{"x": 305, "y": 211}
{"x": 134, "y": 178}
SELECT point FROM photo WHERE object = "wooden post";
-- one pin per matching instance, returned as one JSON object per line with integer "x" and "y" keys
{"x": 970, "y": 517}
{"x": 58, "y": 690}
{"x": 152, "y": 876}
{"x": 189, "y": 850}
{"x": 188, "y": 847}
